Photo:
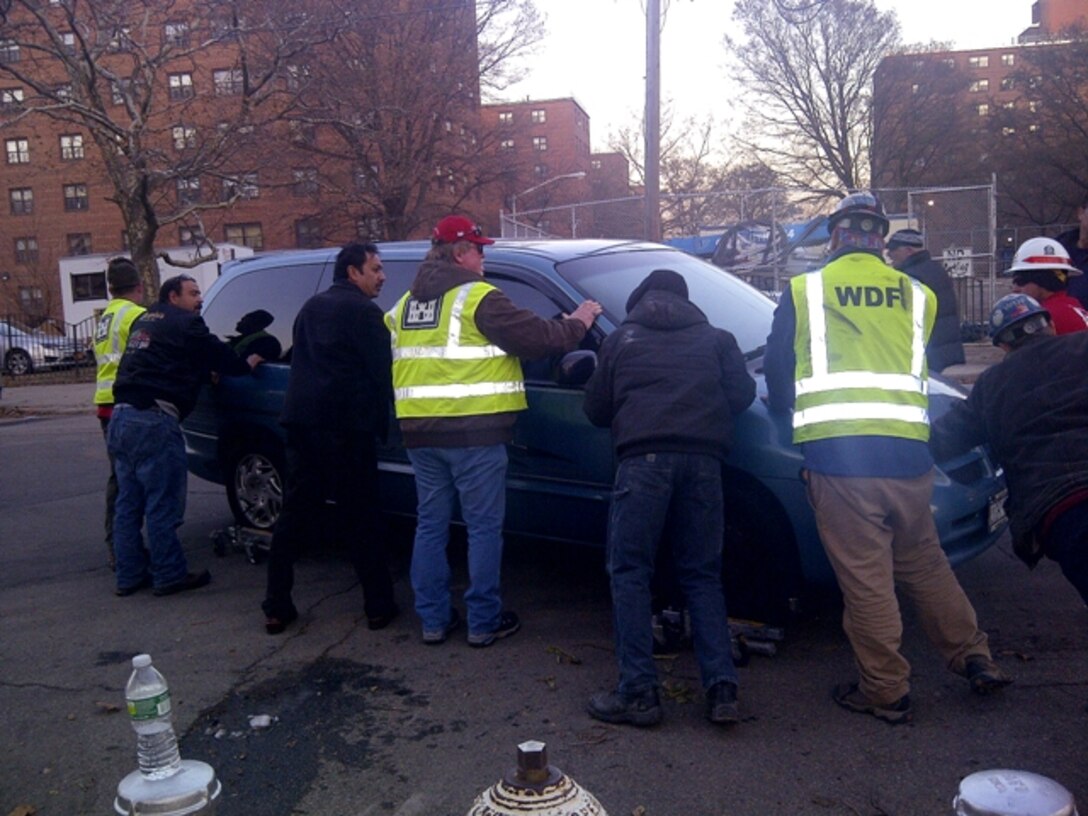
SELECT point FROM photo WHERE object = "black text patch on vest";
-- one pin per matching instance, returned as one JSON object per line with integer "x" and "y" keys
{"x": 873, "y": 296}
{"x": 422, "y": 314}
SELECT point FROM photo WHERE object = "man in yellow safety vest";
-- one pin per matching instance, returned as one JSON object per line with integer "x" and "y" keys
{"x": 110, "y": 337}
{"x": 847, "y": 354}
{"x": 458, "y": 386}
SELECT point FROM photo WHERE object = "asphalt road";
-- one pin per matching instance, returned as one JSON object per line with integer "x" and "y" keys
{"x": 370, "y": 723}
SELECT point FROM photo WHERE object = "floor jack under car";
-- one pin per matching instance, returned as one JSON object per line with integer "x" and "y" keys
{"x": 253, "y": 542}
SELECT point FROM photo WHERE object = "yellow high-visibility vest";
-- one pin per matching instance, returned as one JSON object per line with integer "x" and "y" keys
{"x": 110, "y": 339}
{"x": 845, "y": 383}
{"x": 443, "y": 365}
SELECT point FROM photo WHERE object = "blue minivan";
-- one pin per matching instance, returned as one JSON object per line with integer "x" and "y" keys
{"x": 561, "y": 467}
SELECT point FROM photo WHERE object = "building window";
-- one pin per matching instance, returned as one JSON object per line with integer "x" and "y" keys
{"x": 983, "y": 109}
{"x": 68, "y": 42}
{"x": 119, "y": 90}
{"x": 303, "y": 133}
{"x": 79, "y": 243}
{"x": 176, "y": 34}
{"x": 538, "y": 116}
{"x": 32, "y": 299}
{"x": 540, "y": 143}
{"x": 63, "y": 92}
{"x": 978, "y": 62}
{"x": 595, "y": 164}
{"x": 1009, "y": 105}
{"x": 1008, "y": 60}
{"x": 540, "y": 170}
{"x": 1033, "y": 106}
{"x": 506, "y": 117}
{"x": 948, "y": 62}
{"x": 297, "y": 75}
{"x": 1008, "y": 131}
{"x": 249, "y": 235}
{"x": 228, "y": 81}
{"x": 307, "y": 233}
{"x": 22, "y": 200}
{"x": 11, "y": 99}
{"x": 71, "y": 147}
{"x": 121, "y": 40}
{"x": 1008, "y": 83}
{"x": 245, "y": 186}
{"x": 979, "y": 86}
{"x": 9, "y": 51}
{"x": 75, "y": 197}
{"x": 305, "y": 181}
{"x": 188, "y": 190}
{"x": 183, "y": 136}
{"x": 181, "y": 86}
{"x": 89, "y": 286}
{"x": 190, "y": 236}
{"x": 506, "y": 144}
{"x": 17, "y": 150}
{"x": 26, "y": 249}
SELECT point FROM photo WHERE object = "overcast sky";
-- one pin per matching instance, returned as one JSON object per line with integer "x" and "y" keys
{"x": 595, "y": 51}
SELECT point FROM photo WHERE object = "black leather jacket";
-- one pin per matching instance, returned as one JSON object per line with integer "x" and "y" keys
{"x": 1032, "y": 410}
{"x": 169, "y": 355}
{"x": 667, "y": 381}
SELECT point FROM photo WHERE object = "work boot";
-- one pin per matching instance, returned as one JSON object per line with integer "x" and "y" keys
{"x": 850, "y": 697}
{"x": 626, "y": 709}
{"x": 984, "y": 675}
{"x": 721, "y": 703}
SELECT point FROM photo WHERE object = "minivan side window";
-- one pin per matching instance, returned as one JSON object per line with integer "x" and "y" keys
{"x": 278, "y": 292}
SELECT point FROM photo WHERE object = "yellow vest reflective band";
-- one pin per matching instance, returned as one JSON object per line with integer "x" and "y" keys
{"x": 442, "y": 363}
{"x": 110, "y": 339}
{"x": 844, "y": 385}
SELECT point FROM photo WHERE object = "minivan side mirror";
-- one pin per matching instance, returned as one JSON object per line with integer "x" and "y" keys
{"x": 576, "y": 367}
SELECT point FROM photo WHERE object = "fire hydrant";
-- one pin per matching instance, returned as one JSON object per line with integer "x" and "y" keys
{"x": 535, "y": 787}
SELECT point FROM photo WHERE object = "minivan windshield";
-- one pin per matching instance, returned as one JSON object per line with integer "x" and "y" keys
{"x": 728, "y": 302}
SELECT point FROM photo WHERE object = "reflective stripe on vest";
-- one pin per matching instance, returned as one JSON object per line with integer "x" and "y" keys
{"x": 110, "y": 338}
{"x": 455, "y": 370}
{"x": 858, "y": 401}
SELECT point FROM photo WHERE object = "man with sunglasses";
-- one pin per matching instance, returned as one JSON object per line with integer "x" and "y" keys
{"x": 458, "y": 385}
{"x": 1041, "y": 270}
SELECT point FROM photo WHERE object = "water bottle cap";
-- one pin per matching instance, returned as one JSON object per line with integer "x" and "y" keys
{"x": 141, "y": 661}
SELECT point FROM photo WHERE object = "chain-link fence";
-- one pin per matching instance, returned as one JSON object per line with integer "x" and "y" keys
{"x": 767, "y": 236}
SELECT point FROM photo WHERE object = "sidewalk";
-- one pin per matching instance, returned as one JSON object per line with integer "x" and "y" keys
{"x": 22, "y": 401}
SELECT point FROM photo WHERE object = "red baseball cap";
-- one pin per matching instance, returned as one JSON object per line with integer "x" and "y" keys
{"x": 454, "y": 228}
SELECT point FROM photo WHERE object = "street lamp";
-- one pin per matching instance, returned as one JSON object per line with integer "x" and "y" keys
{"x": 514, "y": 198}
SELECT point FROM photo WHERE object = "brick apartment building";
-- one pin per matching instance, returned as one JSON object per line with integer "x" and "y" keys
{"x": 543, "y": 147}
{"x": 955, "y": 117}
{"x": 302, "y": 167}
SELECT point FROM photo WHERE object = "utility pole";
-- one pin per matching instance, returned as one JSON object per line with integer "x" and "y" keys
{"x": 652, "y": 219}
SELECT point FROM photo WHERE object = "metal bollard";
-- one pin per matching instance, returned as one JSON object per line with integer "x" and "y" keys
{"x": 1003, "y": 792}
{"x": 535, "y": 787}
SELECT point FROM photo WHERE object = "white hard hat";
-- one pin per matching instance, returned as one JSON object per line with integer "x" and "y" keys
{"x": 1041, "y": 254}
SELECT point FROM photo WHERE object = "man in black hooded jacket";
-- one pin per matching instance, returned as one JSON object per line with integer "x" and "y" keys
{"x": 668, "y": 384}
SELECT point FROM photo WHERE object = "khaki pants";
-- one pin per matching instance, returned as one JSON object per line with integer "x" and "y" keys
{"x": 879, "y": 533}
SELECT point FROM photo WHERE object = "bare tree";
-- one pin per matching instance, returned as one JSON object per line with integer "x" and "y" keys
{"x": 393, "y": 109}
{"x": 127, "y": 71}
{"x": 809, "y": 68}
{"x": 1037, "y": 145}
{"x": 919, "y": 137}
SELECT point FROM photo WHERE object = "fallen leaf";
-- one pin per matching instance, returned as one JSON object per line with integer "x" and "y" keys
{"x": 108, "y": 708}
{"x": 24, "y": 810}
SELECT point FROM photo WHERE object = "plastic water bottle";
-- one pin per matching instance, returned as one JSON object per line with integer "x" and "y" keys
{"x": 149, "y": 708}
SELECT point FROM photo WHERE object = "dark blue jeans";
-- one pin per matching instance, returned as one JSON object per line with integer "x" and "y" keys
{"x": 1067, "y": 543}
{"x": 148, "y": 452}
{"x": 678, "y": 495}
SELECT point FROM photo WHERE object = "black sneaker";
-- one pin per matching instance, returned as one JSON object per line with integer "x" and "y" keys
{"x": 381, "y": 621}
{"x": 508, "y": 624}
{"x": 721, "y": 704}
{"x": 850, "y": 697}
{"x": 984, "y": 675}
{"x": 277, "y": 624}
{"x": 434, "y": 637}
{"x": 193, "y": 580}
{"x": 626, "y": 709}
